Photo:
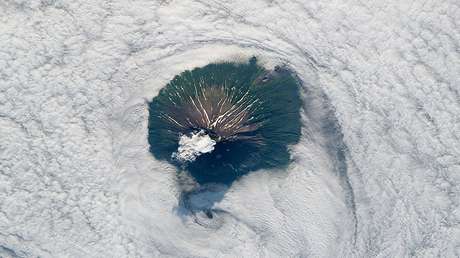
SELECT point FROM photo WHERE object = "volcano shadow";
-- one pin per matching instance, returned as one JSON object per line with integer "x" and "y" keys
{"x": 202, "y": 198}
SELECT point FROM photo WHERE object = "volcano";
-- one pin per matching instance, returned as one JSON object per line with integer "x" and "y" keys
{"x": 224, "y": 120}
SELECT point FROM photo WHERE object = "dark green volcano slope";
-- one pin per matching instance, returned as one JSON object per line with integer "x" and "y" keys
{"x": 251, "y": 114}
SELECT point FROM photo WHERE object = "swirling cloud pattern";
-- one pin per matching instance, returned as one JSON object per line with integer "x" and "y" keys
{"x": 375, "y": 174}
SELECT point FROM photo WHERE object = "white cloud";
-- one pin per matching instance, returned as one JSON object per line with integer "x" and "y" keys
{"x": 77, "y": 180}
{"x": 190, "y": 147}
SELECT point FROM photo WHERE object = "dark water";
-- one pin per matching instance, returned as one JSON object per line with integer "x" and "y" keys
{"x": 277, "y": 114}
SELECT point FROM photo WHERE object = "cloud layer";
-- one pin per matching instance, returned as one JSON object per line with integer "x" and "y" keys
{"x": 375, "y": 173}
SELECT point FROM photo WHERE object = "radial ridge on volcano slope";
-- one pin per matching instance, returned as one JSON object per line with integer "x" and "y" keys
{"x": 224, "y": 120}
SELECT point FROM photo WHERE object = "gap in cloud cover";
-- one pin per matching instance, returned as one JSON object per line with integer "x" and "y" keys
{"x": 223, "y": 120}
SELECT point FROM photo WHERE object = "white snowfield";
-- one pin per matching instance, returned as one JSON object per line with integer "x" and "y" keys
{"x": 376, "y": 174}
